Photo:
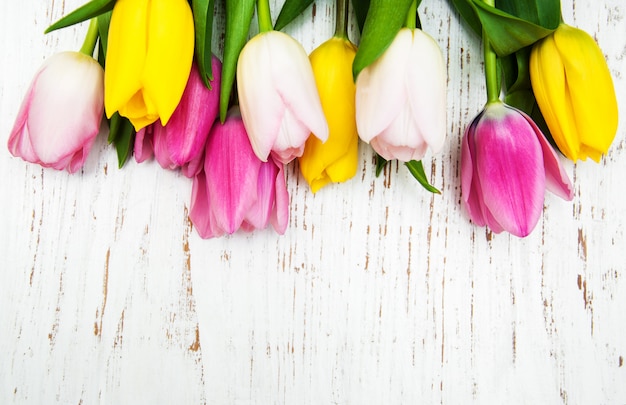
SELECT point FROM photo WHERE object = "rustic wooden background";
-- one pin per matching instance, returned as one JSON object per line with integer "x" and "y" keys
{"x": 378, "y": 293}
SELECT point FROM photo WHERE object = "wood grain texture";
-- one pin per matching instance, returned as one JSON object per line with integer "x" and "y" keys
{"x": 378, "y": 293}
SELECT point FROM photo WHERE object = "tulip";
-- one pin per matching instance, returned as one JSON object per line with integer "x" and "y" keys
{"x": 235, "y": 189}
{"x": 182, "y": 140}
{"x": 279, "y": 102}
{"x": 574, "y": 90}
{"x": 148, "y": 60}
{"x": 506, "y": 165}
{"x": 61, "y": 113}
{"x": 336, "y": 160}
{"x": 401, "y": 98}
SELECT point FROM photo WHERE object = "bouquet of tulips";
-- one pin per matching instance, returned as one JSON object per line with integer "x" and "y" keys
{"x": 232, "y": 125}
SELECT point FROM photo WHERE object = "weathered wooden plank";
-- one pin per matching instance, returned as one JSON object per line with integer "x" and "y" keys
{"x": 378, "y": 292}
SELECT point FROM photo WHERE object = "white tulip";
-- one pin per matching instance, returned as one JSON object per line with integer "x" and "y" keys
{"x": 279, "y": 102}
{"x": 401, "y": 98}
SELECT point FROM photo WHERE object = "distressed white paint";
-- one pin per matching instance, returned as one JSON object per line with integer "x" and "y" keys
{"x": 378, "y": 292}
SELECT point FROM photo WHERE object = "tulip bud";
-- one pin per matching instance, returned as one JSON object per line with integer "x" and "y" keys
{"x": 149, "y": 54}
{"x": 575, "y": 93}
{"x": 234, "y": 189}
{"x": 401, "y": 98}
{"x": 506, "y": 165}
{"x": 335, "y": 160}
{"x": 60, "y": 116}
{"x": 182, "y": 140}
{"x": 279, "y": 102}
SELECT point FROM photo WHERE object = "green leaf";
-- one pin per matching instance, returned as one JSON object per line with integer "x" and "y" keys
{"x": 238, "y": 19}
{"x": 384, "y": 20}
{"x": 546, "y": 13}
{"x": 291, "y": 9}
{"x": 360, "y": 9}
{"x": 92, "y": 9}
{"x": 417, "y": 170}
{"x": 104, "y": 20}
{"x": 381, "y": 162}
{"x": 122, "y": 136}
{"x": 103, "y": 35}
{"x": 203, "y": 26}
{"x": 468, "y": 14}
{"x": 506, "y": 32}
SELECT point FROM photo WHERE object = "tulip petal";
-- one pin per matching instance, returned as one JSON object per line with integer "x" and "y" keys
{"x": 259, "y": 214}
{"x": 19, "y": 143}
{"x": 280, "y": 215}
{"x": 143, "y": 148}
{"x": 401, "y": 139}
{"x": 380, "y": 88}
{"x": 295, "y": 83}
{"x": 426, "y": 90}
{"x": 126, "y": 54}
{"x": 169, "y": 54}
{"x": 552, "y": 94}
{"x": 557, "y": 180}
{"x": 232, "y": 179}
{"x": 200, "y": 212}
{"x": 262, "y": 109}
{"x": 291, "y": 138}
{"x": 590, "y": 88}
{"x": 193, "y": 118}
{"x": 470, "y": 186}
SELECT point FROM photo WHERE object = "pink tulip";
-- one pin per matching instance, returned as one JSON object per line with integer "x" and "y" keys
{"x": 279, "y": 101}
{"x": 506, "y": 165}
{"x": 180, "y": 143}
{"x": 235, "y": 189}
{"x": 61, "y": 113}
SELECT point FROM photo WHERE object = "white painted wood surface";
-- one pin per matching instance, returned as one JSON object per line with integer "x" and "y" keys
{"x": 378, "y": 293}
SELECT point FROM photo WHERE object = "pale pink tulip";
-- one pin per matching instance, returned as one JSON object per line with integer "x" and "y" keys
{"x": 61, "y": 113}
{"x": 280, "y": 105}
{"x": 181, "y": 142}
{"x": 506, "y": 165}
{"x": 401, "y": 98}
{"x": 235, "y": 189}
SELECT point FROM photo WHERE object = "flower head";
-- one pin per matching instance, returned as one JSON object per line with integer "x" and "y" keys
{"x": 149, "y": 54}
{"x": 182, "y": 140}
{"x": 506, "y": 165}
{"x": 279, "y": 102}
{"x": 335, "y": 160}
{"x": 574, "y": 90}
{"x": 234, "y": 189}
{"x": 60, "y": 116}
{"x": 401, "y": 98}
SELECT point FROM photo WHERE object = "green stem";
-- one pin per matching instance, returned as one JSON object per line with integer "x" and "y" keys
{"x": 264, "y": 15}
{"x": 411, "y": 16}
{"x": 491, "y": 71}
{"x": 491, "y": 66}
{"x": 89, "y": 45}
{"x": 341, "y": 19}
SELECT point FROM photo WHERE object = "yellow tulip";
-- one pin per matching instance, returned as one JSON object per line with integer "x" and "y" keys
{"x": 149, "y": 54}
{"x": 574, "y": 90}
{"x": 335, "y": 160}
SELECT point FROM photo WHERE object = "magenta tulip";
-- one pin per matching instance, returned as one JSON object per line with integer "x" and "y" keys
{"x": 506, "y": 165}
{"x": 60, "y": 116}
{"x": 234, "y": 189}
{"x": 181, "y": 142}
